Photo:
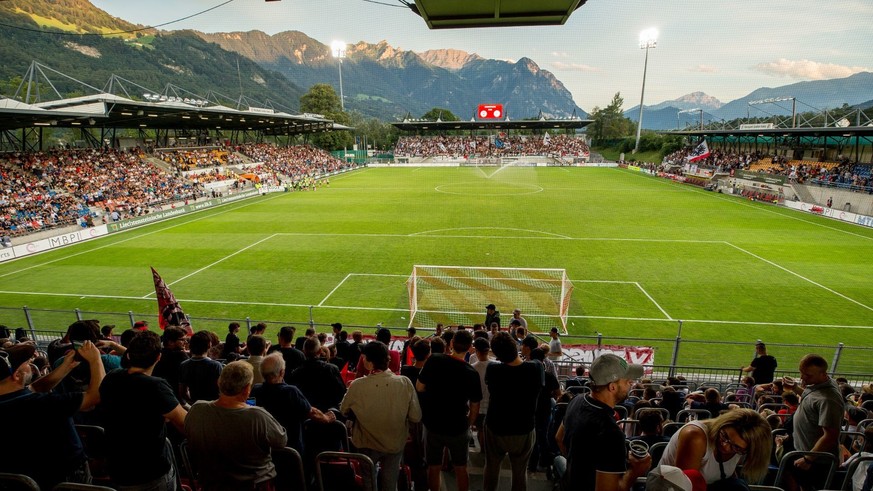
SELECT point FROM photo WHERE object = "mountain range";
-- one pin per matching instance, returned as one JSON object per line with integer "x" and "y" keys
{"x": 813, "y": 96}
{"x": 378, "y": 80}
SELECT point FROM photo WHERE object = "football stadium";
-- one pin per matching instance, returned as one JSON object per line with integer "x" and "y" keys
{"x": 347, "y": 291}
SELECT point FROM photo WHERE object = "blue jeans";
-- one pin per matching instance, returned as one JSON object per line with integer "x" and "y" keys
{"x": 389, "y": 464}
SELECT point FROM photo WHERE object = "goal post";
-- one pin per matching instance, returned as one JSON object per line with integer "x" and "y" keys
{"x": 453, "y": 295}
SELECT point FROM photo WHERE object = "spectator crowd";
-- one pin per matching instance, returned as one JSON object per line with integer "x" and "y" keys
{"x": 556, "y": 146}
{"x": 185, "y": 408}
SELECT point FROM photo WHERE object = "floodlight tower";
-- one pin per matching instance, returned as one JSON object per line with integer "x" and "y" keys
{"x": 648, "y": 39}
{"x": 338, "y": 48}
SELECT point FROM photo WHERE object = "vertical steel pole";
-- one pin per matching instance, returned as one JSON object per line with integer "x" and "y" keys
{"x": 642, "y": 97}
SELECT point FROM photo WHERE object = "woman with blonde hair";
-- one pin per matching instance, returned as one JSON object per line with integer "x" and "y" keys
{"x": 716, "y": 446}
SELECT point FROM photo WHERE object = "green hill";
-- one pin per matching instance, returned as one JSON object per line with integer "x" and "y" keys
{"x": 151, "y": 60}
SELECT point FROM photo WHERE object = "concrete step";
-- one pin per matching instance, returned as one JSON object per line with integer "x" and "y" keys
{"x": 536, "y": 481}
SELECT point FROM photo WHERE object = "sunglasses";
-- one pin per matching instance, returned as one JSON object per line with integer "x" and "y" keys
{"x": 725, "y": 440}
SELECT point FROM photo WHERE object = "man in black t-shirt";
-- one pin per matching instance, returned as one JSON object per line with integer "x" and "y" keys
{"x": 135, "y": 405}
{"x": 175, "y": 340}
{"x": 293, "y": 356}
{"x": 450, "y": 406}
{"x": 285, "y": 402}
{"x": 763, "y": 366}
{"x": 319, "y": 381}
{"x": 514, "y": 388}
{"x": 48, "y": 451}
{"x": 198, "y": 375}
{"x": 589, "y": 437}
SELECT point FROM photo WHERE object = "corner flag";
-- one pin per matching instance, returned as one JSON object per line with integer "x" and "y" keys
{"x": 700, "y": 152}
{"x": 169, "y": 311}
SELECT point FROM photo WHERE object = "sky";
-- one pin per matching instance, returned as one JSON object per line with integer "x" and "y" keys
{"x": 725, "y": 49}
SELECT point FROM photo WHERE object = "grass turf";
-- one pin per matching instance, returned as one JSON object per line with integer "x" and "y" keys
{"x": 643, "y": 254}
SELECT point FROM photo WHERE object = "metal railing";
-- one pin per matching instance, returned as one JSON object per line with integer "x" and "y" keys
{"x": 45, "y": 325}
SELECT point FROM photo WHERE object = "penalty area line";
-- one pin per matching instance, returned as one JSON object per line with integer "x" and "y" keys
{"x": 653, "y": 300}
{"x": 341, "y": 307}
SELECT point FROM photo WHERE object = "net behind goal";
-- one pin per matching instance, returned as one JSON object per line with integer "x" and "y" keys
{"x": 454, "y": 295}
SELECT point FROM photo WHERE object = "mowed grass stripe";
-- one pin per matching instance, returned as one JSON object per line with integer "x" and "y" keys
{"x": 671, "y": 239}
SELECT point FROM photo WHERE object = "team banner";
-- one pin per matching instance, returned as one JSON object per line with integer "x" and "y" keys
{"x": 169, "y": 311}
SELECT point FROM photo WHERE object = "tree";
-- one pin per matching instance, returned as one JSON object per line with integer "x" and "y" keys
{"x": 441, "y": 114}
{"x": 322, "y": 99}
{"x": 609, "y": 122}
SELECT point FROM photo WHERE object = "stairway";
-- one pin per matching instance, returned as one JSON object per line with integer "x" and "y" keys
{"x": 802, "y": 193}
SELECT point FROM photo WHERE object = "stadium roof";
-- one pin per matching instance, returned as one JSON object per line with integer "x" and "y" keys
{"x": 831, "y": 131}
{"x": 496, "y": 124}
{"x": 112, "y": 111}
{"x": 448, "y": 14}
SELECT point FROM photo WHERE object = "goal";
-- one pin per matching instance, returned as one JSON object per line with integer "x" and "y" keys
{"x": 454, "y": 295}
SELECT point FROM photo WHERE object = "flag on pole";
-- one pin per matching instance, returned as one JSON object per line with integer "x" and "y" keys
{"x": 700, "y": 152}
{"x": 547, "y": 139}
{"x": 169, "y": 311}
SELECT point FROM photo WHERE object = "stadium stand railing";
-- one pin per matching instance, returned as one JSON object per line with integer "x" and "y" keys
{"x": 46, "y": 325}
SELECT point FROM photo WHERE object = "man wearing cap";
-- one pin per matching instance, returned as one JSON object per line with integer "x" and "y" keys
{"x": 49, "y": 451}
{"x": 141, "y": 325}
{"x": 763, "y": 366}
{"x": 491, "y": 315}
{"x": 589, "y": 437}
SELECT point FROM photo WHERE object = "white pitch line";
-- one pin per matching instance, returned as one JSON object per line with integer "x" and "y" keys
{"x": 341, "y": 307}
{"x": 334, "y": 289}
{"x": 653, "y": 300}
{"x": 147, "y": 295}
{"x": 491, "y": 228}
{"x": 804, "y": 278}
{"x": 140, "y": 235}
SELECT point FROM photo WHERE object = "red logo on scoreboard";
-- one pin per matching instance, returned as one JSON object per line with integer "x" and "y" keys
{"x": 490, "y": 111}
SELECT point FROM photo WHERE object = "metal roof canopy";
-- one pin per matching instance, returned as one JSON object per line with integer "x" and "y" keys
{"x": 850, "y": 131}
{"x": 535, "y": 124}
{"x": 112, "y": 111}
{"x": 453, "y": 14}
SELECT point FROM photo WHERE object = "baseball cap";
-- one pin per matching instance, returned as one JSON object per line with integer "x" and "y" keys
{"x": 142, "y": 325}
{"x": 668, "y": 478}
{"x": 14, "y": 357}
{"x": 490, "y": 306}
{"x": 608, "y": 368}
{"x": 789, "y": 381}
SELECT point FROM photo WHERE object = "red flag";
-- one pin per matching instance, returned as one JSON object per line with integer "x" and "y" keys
{"x": 169, "y": 311}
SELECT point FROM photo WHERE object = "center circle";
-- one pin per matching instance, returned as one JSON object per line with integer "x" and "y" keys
{"x": 489, "y": 188}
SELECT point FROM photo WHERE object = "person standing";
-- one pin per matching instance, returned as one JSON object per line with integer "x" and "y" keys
{"x": 382, "y": 405}
{"x": 452, "y": 394}
{"x": 135, "y": 406}
{"x": 763, "y": 366}
{"x": 555, "y": 348}
{"x": 516, "y": 315}
{"x": 591, "y": 418}
{"x": 816, "y": 422}
{"x": 492, "y": 315}
{"x": 514, "y": 387}
{"x": 49, "y": 451}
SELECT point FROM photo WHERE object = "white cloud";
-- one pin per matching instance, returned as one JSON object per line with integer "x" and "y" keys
{"x": 703, "y": 69}
{"x": 560, "y": 54}
{"x": 573, "y": 67}
{"x": 807, "y": 70}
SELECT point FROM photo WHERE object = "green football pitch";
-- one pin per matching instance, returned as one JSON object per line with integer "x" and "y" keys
{"x": 643, "y": 253}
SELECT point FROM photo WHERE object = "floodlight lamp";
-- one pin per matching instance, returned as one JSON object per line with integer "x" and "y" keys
{"x": 338, "y": 49}
{"x": 649, "y": 38}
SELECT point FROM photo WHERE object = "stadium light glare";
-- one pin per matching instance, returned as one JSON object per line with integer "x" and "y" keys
{"x": 338, "y": 49}
{"x": 648, "y": 39}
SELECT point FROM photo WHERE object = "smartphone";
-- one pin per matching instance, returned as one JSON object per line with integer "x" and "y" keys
{"x": 250, "y": 401}
{"x": 77, "y": 345}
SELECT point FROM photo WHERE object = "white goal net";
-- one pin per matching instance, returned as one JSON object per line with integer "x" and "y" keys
{"x": 453, "y": 295}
